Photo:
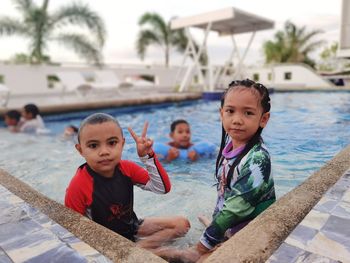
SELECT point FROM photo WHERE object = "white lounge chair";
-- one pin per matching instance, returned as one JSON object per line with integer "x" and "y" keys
{"x": 4, "y": 95}
{"x": 74, "y": 81}
{"x": 109, "y": 77}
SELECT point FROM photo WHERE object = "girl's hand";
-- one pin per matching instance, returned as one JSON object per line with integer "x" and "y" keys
{"x": 143, "y": 144}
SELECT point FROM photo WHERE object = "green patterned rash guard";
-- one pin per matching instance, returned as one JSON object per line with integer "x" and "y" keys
{"x": 252, "y": 191}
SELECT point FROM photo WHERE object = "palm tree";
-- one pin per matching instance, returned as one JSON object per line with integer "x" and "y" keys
{"x": 41, "y": 26}
{"x": 159, "y": 33}
{"x": 293, "y": 44}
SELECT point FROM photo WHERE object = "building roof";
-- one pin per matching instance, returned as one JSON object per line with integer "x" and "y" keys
{"x": 227, "y": 21}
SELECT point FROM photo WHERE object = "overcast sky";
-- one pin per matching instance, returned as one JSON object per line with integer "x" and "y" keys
{"x": 121, "y": 19}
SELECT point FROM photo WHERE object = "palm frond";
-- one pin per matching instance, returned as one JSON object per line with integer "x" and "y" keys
{"x": 24, "y": 6}
{"x": 144, "y": 39}
{"x": 78, "y": 14}
{"x": 179, "y": 40}
{"x": 157, "y": 24}
{"x": 313, "y": 46}
{"x": 81, "y": 46}
{"x": 10, "y": 26}
{"x": 307, "y": 37}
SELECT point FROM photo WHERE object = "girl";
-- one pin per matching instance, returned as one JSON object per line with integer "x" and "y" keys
{"x": 243, "y": 168}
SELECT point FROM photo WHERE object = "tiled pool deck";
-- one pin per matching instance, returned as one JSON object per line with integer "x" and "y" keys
{"x": 324, "y": 234}
{"x": 27, "y": 235}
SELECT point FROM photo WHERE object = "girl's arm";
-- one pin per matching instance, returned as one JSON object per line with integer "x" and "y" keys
{"x": 250, "y": 195}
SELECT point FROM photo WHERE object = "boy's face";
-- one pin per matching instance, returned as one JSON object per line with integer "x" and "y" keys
{"x": 101, "y": 145}
{"x": 181, "y": 136}
{"x": 10, "y": 122}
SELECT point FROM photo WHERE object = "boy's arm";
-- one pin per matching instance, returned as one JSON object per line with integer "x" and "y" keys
{"x": 159, "y": 181}
{"x": 154, "y": 178}
{"x": 75, "y": 197}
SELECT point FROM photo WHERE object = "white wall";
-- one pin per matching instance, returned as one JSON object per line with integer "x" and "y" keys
{"x": 32, "y": 79}
{"x": 302, "y": 76}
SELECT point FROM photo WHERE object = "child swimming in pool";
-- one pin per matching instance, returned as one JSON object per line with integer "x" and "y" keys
{"x": 102, "y": 188}
{"x": 180, "y": 133}
{"x": 181, "y": 146}
{"x": 243, "y": 169}
{"x": 12, "y": 120}
{"x": 70, "y": 132}
{"x": 32, "y": 121}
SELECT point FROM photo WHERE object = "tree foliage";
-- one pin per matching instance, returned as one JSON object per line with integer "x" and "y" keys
{"x": 40, "y": 27}
{"x": 155, "y": 31}
{"x": 292, "y": 44}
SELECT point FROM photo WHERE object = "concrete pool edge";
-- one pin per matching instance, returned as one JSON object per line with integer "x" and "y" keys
{"x": 100, "y": 103}
{"x": 108, "y": 243}
{"x": 258, "y": 240}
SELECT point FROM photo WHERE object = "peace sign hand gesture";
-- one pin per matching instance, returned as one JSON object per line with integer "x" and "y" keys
{"x": 143, "y": 144}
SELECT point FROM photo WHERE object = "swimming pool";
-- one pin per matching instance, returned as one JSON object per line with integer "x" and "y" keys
{"x": 305, "y": 131}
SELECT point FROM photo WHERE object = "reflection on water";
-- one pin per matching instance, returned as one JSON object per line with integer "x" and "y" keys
{"x": 305, "y": 131}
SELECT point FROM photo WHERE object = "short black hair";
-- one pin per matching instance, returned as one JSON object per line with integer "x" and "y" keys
{"x": 74, "y": 128}
{"x": 13, "y": 114}
{"x": 97, "y": 118}
{"x": 32, "y": 108}
{"x": 175, "y": 123}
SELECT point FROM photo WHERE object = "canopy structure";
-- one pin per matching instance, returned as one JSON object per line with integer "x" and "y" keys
{"x": 344, "y": 44}
{"x": 226, "y": 22}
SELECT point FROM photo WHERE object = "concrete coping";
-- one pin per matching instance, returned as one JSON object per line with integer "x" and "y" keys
{"x": 255, "y": 243}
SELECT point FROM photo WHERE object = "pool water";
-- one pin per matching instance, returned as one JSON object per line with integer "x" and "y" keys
{"x": 304, "y": 132}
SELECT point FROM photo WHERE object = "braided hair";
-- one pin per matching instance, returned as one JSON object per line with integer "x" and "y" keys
{"x": 262, "y": 91}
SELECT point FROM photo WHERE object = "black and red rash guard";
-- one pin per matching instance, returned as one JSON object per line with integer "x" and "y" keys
{"x": 109, "y": 201}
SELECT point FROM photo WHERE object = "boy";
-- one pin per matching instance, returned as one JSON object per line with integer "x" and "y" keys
{"x": 180, "y": 133}
{"x": 12, "y": 120}
{"x": 32, "y": 119}
{"x": 102, "y": 188}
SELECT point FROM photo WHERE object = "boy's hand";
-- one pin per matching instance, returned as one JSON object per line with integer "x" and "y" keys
{"x": 192, "y": 155}
{"x": 143, "y": 144}
{"x": 173, "y": 153}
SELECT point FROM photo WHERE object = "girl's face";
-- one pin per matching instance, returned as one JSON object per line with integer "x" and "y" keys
{"x": 242, "y": 115}
{"x": 181, "y": 136}
{"x": 27, "y": 115}
{"x": 101, "y": 145}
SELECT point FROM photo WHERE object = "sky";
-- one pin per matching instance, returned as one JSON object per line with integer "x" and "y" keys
{"x": 121, "y": 20}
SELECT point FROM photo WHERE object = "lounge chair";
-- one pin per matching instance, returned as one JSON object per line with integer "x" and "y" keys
{"x": 109, "y": 77}
{"x": 74, "y": 81}
{"x": 4, "y": 95}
